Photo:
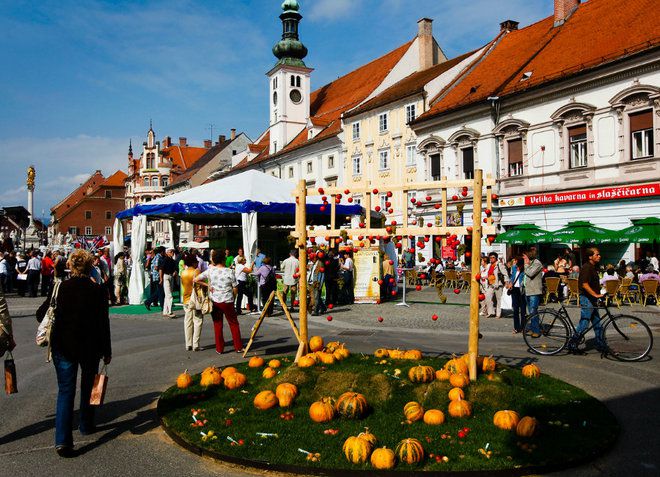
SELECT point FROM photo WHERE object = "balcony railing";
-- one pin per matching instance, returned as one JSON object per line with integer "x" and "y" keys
{"x": 141, "y": 189}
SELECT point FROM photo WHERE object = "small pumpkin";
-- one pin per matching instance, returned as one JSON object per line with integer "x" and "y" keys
{"x": 341, "y": 353}
{"x": 265, "y": 400}
{"x": 442, "y": 375}
{"x": 356, "y": 450}
{"x": 434, "y": 417}
{"x": 456, "y": 366}
{"x": 227, "y": 371}
{"x": 383, "y": 459}
{"x": 396, "y": 354}
{"x": 235, "y": 380}
{"x": 381, "y": 353}
{"x": 322, "y": 411}
{"x": 316, "y": 343}
{"x": 352, "y": 405}
{"x": 488, "y": 365}
{"x": 413, "y": 354}
{"x": 210, "y": 377}
{"x": 410, "y": 451}
{"x": 459, "y": 380}
{"x": 460, "y": 408}
{"x": 531, "y": 371}
{"x": 413, "y": 411}
{"x": 506, "y": 420}
{"x": 269, "y": 373}
{"x": 274, "y": 363}
{"x": 306, "y": 361}
{"x": 527, "y": 426}
{"x": 455, "y": 394}
{"x": 369, "y": 437}
{"x": 286, "y": 393}
{"x": 184, "y": 380}
{"x": 333, "y": 346}
{"x": 326, "y": 358}
{"x": 256, "y": 362}
{"x": 421, "y": 374}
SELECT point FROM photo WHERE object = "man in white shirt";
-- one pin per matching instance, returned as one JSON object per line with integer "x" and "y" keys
{"x": 289, "y": 269}
{"x": 347, "y": 272}
{"x": 34, "y": 272}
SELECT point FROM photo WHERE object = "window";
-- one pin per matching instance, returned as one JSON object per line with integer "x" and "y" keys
{"x": 108, "y": 215}
{"x": 274, "y": 147}
{"x": 298, "y": 81}
{"x": 108, "y": 194}
{"x": 577, "y": 142}
{"x": 146, "y": 182}
{"x": 515, "y": 156}
{"x": 641, "y": 130}
{"x": 164, "y": 181}
{"x": 384, "y": 162}
{"x": 357, "y": 165}
{"x": 331, "y": 162}
{"x": 73, "y": 230}
{"x": 88, "y": 214}
{"x": 290, "y": 172}
{"x": 436, "y": 169}
{"x": 293, "y": 80}
{"x": 108, "y": 230}
{"x": 150, "y": 160}
{"x": 410, "y": 113}
{"x": 411, "y": 155}
{"x": 411, "y": 194}
{"x": 468, "y": 162}
{"x": 357, "y": 200}
{"x": 88, "y": 230}
{"x": 382, "y": 199}
{"x": 356, "y": 131}
{"x": 382, "y": 122}
{"x": 310, "y": 167}
{"x": 154, "y": 181}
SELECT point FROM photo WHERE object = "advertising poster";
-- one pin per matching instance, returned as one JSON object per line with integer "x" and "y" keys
{"x": 367, "y": 274}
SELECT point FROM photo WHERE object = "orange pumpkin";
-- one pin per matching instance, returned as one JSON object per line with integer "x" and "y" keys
{"x": 369, "y": 437}
{"x": 256, "y": 362}
{"x": 442, "y": 375}
{"x": 274, "y": 363}
{"x": 210, "y": 377}
{"x": 269, "y": 373}
{"x": 455, "y": 394}
{"x": 413, "y": 411}
{"x": 306, "y": 361}
{"x": 434, "y": 417}
{"x": 383, "y": 459}
{"x": 333, "y": 346}
{"x": 459, "y": 380}
{"x": 184, "y": 380}
{"x": 421, "y": 374}
{"x": 414, "y": 354}
{"x": 235, "y": 380}
{"x": 531, "y": 371}
{"x": 316, "y": 343}
{"x": 322, "y": 411}
{"x": 460, "y": 408}
{"x": 506, "y": 420}
{"x": 286, "y": 393}
{"x": 341, "y": 353}
{"x": 227, "y": 371}
{"x": 488, "y": 365}
{"x": 352, "y": 405}
{"x": 396, "y": 354}
{"x": 265, "y": 400}
{"x": 410, "y": 451}
{"x": 356, "y": 450}
{"x": 457, "y": 366}
{"x": 381, "y": 353}
{"x": 326, "y": 358}
{"x": 527, "y": 427}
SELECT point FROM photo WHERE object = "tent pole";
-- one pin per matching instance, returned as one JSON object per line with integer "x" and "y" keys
{"x": 301, "y": 229}
{"x": 473, "y": 340}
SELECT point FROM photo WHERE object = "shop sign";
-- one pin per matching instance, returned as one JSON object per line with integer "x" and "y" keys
{"x": 591, "y": 195}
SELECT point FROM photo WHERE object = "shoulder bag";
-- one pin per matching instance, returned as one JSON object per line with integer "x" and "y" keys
{"x": 46, "y": 326}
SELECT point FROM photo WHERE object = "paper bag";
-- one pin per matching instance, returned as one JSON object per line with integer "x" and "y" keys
{"x": 98, "y": 390}
{"x": 11, "y": 386}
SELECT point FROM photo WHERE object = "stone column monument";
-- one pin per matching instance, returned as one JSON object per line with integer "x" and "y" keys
{"x": 31, "y": 234}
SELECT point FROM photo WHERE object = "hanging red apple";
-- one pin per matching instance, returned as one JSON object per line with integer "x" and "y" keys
{"x": 413, "y": 200}
{"x": 437, "y": 206}
{"x": 482, "y": 297}
{"x": 457, "y": 290}
{"x": 454, "y": 197}
{"x": 321, "y": 190}
{"x": 375, "y": 191}
{"x": 418, "y": 287}
{"x": 380, "y": 318}
{"x": 330, "y": 306}
{"x": 389, "y": 193}
{"x": 350, "y": 200}
{"x": 434, "y": 317}
{"x": 329, "y": 318}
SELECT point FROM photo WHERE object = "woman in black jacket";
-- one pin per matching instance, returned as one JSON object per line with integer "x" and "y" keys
{"x": 80, "y": 338}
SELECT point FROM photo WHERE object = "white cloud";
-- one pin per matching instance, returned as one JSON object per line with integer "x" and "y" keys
{"x": 328, "y": 10}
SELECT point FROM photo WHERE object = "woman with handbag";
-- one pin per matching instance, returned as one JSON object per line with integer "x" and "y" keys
{"x": 80, "y": 338}
{"x": 267, "y": 283}
{"x": 517, "y": 292}
{"x": 222, "y": 286}
{"x": 193, "y": 319}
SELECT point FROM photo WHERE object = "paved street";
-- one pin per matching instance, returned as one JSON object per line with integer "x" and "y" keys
{"x": 148, "y": 354}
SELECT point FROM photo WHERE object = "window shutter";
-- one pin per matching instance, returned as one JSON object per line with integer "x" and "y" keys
{"x": 515, "y": 151}
{"x": 577, "y": 131}
{"x": 641, "y": 121}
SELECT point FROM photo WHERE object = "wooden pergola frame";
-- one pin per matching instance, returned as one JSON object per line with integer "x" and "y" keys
{"x": 477, "y": 230}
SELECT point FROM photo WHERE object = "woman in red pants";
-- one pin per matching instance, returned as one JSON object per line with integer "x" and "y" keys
{"x": 222, "y": 285}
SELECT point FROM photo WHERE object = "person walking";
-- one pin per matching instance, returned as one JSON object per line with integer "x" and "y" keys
{"x": 4, "y": 273}
{"x": 290, "y": 267}
{"x": 222, "y": 286}
{"x": 167, "y": 273}
{"x": 155, "y": 286}
{"x": 331, "y": 276}
{"x": 47, "y": 272}
{"x": 21, "y": 274}
{"x": 120, "y": 274}
{"x": 193, "y": 319}
{"x": 80, "y": 338}
{"x": 33, "y": 273}
{"x": 497, "y": 278}
{"x": 241, "y": 271}
{"x": 589, "y": 294}
{"x": 533, "y": 284}
{"x": 517, "y": 292}
{"x": 316, "y": 280}
{"x": 388, "y": 276}
{"x": 267, "y": 283}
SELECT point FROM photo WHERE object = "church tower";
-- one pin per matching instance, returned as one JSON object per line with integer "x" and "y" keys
{"x": 289, "y": 82}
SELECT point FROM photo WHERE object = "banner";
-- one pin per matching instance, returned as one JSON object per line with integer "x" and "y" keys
{"x": 367, "y": 274}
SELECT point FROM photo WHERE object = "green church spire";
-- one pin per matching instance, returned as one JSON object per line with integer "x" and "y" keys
{"x": 290, "y": 50}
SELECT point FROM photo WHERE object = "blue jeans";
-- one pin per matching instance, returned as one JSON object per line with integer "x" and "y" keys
{"x": 589, "y": 314}
{"x": 518, "y": 305}
{"x": 67, "y": 373}
{"x": 532, "y": 307}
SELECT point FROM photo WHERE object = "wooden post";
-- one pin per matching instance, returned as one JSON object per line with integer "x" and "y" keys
{"x": 301, "y": 228}
{"x": 473, "y": 340}
{"x": 333, "y": 219}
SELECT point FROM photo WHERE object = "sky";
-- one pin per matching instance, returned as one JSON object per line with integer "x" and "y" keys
{"x": 82, "y": 78}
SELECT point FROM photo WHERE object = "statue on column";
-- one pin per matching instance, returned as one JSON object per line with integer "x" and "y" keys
{"x": 31, "y": 174}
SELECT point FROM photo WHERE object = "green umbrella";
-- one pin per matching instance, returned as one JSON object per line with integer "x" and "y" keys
{"x": 642, "y": 231}
{"x": 580, "y": 232}
{"x": 521, "y": 234}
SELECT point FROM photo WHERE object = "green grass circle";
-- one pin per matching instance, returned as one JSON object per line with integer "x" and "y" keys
{"x": 574, "y": 426}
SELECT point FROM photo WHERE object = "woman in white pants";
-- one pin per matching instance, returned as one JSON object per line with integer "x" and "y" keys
{"x": 192, "y": 322}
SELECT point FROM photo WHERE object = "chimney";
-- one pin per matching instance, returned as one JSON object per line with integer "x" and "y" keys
{"x": 425, "y": 43}
{"x": 508, "y": 25}
{"x": 221, "y": 138}
{"x": 208, "y": 143}
{"x": 183, "y": 141}
{"x": 564, "y": 9}
{"x": 167, "y": 142}
{"x": 233, "y": 134}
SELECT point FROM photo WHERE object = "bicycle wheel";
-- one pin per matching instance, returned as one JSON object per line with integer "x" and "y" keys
{"x": 554, "y": 332}
{"x": 628, "y": 338}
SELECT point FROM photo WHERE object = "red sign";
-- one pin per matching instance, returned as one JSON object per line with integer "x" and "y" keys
{"x": 608, "y": 193}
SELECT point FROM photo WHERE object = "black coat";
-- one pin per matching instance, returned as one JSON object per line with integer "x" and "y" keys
{"x": 82, "y": 326}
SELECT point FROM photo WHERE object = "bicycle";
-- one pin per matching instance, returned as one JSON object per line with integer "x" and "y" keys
{"x": 627, "y": 338}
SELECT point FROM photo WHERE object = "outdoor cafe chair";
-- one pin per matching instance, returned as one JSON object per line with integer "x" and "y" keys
{"x": 626, "y": 293}
{"x": 451, "y": 278}
{"x": 411, "y": 277}
{"x": 466, "y": 278}
{"x": 573, "y": 291}
{"x": 551, "y": 288}
{"x": 612, "y": 292}
{"x": 650, "y": 288}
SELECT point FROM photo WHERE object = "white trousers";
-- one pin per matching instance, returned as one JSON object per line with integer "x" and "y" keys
{"x": 496, "y": 293}
{"x": 192, "y": 327}
{"x": 167, "y": 286}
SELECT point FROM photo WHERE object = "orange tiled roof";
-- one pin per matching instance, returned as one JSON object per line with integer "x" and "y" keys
{"x": 116, "y": 180}
{"x": 201, "y": 162}
{"x": 78, "y": 194}
{"x": 598, "y": 32}
{"x": 183, "y": 157}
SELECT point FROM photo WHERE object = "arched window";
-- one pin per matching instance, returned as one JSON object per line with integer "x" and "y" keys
{"x": 146, "y": 182}
{"x": 154, "y": 181}
{"x": 431, "y": 150}
{"x": 164, "y": 181}
{"x": 150, "y": 160}
{"x": 511, "y": 136}
{"x": 638, "y": 111}
{"x": 573, "y": 122}
{"x": 464, "y": 141}
{"x": 298, "y": 81}
{"x": 293, "y": 80}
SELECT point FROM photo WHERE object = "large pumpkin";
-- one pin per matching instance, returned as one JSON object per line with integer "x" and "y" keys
{"x": 434, "y": 417}
{"x": 210, "y": 377}
{"x": 184, "y": 380}
{"x": 531, "y": 371}
{"x": 527, "y": 426}
{"x": 457, "y": 366}
{"x": 421, "y": 374}
{"x": 315, "y": 343}
{"x": 356, "y": 450}
{"x": 381, "y": 353}
{"x": 322, "y": 411}
{"x": 326, "y": 358}
{"x": 269, "y": 373}
{"x": 460, "y": 408}
{"x": 414, "y": 354}
{"x": 369, "y": 437}
{"x": 456, "y": 394}
{"x": 256, "y": 362}
{"x": 306, "y": 361}
{"x": 413, "y": 411}
{"x": 396, "y": 354}
{"x": 265, "y": 400}
{"x": 442, "y": 375}
{"x": 459, "y": 380}
{"x": 274, "y": 363}
{"x": 383, "y": 459}
{"x": 235, "y": 380}
{"x": 488, "y": 365}
{"x": 286, "y": 393}
{"x": 227, "y": 371}
{"x": 352, "y": 405}
{"x": 506, "y": 420}
{"x": 410, "y": 451}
